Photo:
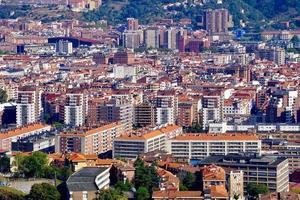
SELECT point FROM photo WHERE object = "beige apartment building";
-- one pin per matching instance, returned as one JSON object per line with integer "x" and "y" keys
{"x": 131, "y": 145}
{"x": 6, "y": 138}
{"x": 92, "y": 141}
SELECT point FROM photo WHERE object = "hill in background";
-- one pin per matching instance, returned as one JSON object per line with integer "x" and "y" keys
{"x": 255, "y": 14}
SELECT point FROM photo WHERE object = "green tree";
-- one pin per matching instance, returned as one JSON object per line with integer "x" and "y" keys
{"x": 121, "y": 186}
{"x": 182, "y": 187}
{"x": 48, "y": 172}
{"x": 4, "y": 164}
{"x": 47, "y": 118}
{"x": 43, "y": 191}
{"x": 236, "y": 197}
{"x": 142, "y": 194}
{"x": 195, "y": 128}
{"x": 145, "y": 176}
{"x": 3, "y": 96}
{"x": 3, "y": 52}
{"x": 33, "y": 165}
{"x": 295, "y": 39}
{"x": 63, "y": 173}
{"x": 7, "y": 193}
{"x": 187, "y": 179}
{"x": 58, "y": 125}
{"x": 111, "y": 194}
{"x": 254, "y": 190}
{"x": 19, "y": 160}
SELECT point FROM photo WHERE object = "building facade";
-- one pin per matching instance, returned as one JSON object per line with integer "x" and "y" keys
{"x": 85, "y": 184}
{"x": 217, "y": 21}
{"x": 132, "y": 145}
{"x": 271, "y": 171}
{"x": 117, "y": 110}
{"x": 198, "y": 146}
{"x": 8, "y": 137}
{"x": 94, "y": 141}
{"x": 75, "y": 109}
{"x": 29, "y": 106}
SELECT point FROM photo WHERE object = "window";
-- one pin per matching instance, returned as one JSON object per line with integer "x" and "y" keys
{"x": 85, "y": 195}
{"x": 71, "y": 195}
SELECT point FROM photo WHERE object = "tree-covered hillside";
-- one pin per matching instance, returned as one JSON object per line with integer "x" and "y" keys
{"x": 254, "y": 13}
{"x": 274, "y": 8}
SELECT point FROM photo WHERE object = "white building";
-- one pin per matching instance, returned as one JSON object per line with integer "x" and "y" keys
{"x": 233, "y": 107}
{"x": 29, "y": 106}
{"x": 165, "y": 116}
{"x": 166, "y": 108}
{"x": 292, "y": 96}
{"x": 64, "y": 47}
{"x": 152, "y": 38}
{"x": 212, "y": 110}
{"x": 75, "y": 110}
{"x": 8, "y": 137}
{"x": 236, "y": 185}
{"x": 121, "y": 71}
{"x": 223, "y": 127}
{"x": 218, "y": 127}
{"x": 198, "y": 146}
{"x": 130, "y": 146}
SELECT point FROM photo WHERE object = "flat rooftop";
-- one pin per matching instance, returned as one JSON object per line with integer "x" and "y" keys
{"x": 241, "y": 160}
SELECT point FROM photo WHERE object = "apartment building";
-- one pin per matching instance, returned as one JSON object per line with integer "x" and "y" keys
{"x": 29, "y": 106}
{"x": 7, "y": 138}
{"x": 8, "y": 115}
{"x": 283, "y": 106}
{"x": 290, "y": 151}
{"x": 275, "y": 54}
{"x": 217, "y": 21}
{"x": 214, "y": 178}
{"x": 236, "y": 184}
{"x": 75, "y": 109}
{"x": 131, "y": 39}
{"x": 152, "y": 38}
{"x": 236, "y": 107}
{"x": 166, "y": 104}
{"x": 186, "y": 114}
{"x": 117, "y": 110}
{"x": 288, "y": 131}
{"x": 132, "y": 24}
{"x": 212, "y": 109}
{"x": 198, "y": 146}
{"x": 64, "y": 47}
{"x": 93, "y": 141}
{"x": 11, "y": 89}
{"x": 124, "y": 57}
{"x": 144, "y": 115}
{"x": 85, "y": 184}
{"x": 131, "y": 145}
{"x": 272, "y": 171}
{"x": 43, "y": 141}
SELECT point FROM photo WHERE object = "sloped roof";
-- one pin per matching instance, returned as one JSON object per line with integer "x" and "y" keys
{"x": 84, "y": 179}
